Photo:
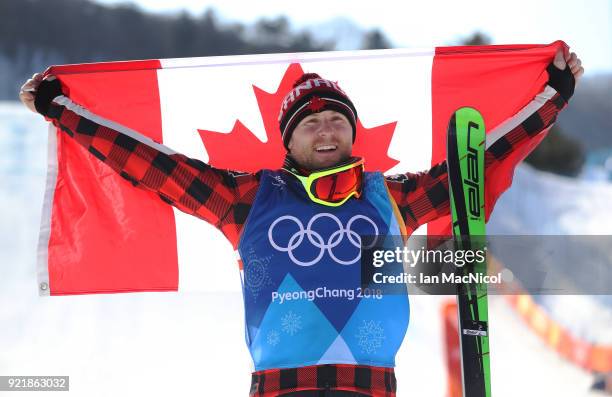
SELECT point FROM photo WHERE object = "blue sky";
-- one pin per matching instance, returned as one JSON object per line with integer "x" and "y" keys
{"x": 585, "y": 26}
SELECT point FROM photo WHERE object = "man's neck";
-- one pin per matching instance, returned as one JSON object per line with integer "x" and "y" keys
{"x": 291, "y": 165}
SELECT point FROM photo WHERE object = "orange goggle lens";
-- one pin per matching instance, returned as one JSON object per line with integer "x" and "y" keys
{"x": 336, "y": 187}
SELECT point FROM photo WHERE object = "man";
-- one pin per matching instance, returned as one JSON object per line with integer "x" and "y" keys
{"x": 310, "y": 328}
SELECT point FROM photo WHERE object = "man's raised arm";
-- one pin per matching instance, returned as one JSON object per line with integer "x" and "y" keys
{"x": 424, "y": 197}
{"x": 190, "y": 185}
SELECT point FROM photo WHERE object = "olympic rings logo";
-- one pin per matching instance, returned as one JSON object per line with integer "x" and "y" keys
{"x": 317, "y": 240}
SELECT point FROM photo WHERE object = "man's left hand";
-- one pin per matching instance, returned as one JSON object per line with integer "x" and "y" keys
{"x": 563, "y": 57}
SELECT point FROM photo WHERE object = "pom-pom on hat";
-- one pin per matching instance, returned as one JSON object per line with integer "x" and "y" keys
{"x": 312, "y": 94}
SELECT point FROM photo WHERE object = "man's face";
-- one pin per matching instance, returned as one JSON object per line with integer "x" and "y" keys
{"x": 321, "y": 140}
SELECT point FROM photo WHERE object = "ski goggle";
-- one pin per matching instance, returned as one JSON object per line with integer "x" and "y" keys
{"x": 333, "y": 187}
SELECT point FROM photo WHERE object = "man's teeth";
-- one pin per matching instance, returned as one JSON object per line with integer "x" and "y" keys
{"x": 325, "y": 148}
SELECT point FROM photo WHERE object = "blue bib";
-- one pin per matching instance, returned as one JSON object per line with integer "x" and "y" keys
{"x": 304, "y": 304}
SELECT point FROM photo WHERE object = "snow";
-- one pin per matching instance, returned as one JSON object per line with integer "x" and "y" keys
{"x": 543, "y": 204}
{"x": 159, "y": 344}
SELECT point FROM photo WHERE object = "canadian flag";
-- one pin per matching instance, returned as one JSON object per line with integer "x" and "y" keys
{"x": 99, "y": 234}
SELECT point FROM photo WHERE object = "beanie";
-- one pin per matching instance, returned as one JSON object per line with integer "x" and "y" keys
{"x": 312, "y": 94}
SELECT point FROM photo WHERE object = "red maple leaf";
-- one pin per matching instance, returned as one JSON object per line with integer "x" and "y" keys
{"x": 241, "y": 150}
{"x": 316, "y": 104}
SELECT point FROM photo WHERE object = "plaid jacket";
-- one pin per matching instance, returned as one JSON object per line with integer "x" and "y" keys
{"x": 354, "y": 380}
{"x": 224, "y": 199}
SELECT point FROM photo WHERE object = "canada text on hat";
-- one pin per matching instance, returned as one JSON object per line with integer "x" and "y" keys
{"x": 312, "y": 94}
{"x": 306, "y": 86}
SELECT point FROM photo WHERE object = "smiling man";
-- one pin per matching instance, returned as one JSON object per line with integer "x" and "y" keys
{"x": 297, "y": 228}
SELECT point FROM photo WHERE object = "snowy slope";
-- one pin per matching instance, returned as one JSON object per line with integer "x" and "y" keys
{"x": 543, "y": 204}
{"x": 160, "y": 344}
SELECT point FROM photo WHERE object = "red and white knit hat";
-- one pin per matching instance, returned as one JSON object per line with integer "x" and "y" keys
{"x": 313, "y": 94}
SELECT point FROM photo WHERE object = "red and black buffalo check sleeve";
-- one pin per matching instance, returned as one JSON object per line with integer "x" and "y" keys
{"x": 220, "y": 197}
{"x": 327, "y": 379}
{"x": 424, "y": 197}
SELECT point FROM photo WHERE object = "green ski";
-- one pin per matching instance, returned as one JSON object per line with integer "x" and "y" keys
{"x": 465, "y": 160}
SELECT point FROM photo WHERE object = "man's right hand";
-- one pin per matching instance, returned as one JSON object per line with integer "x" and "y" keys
{"x": 27, "y": 94}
